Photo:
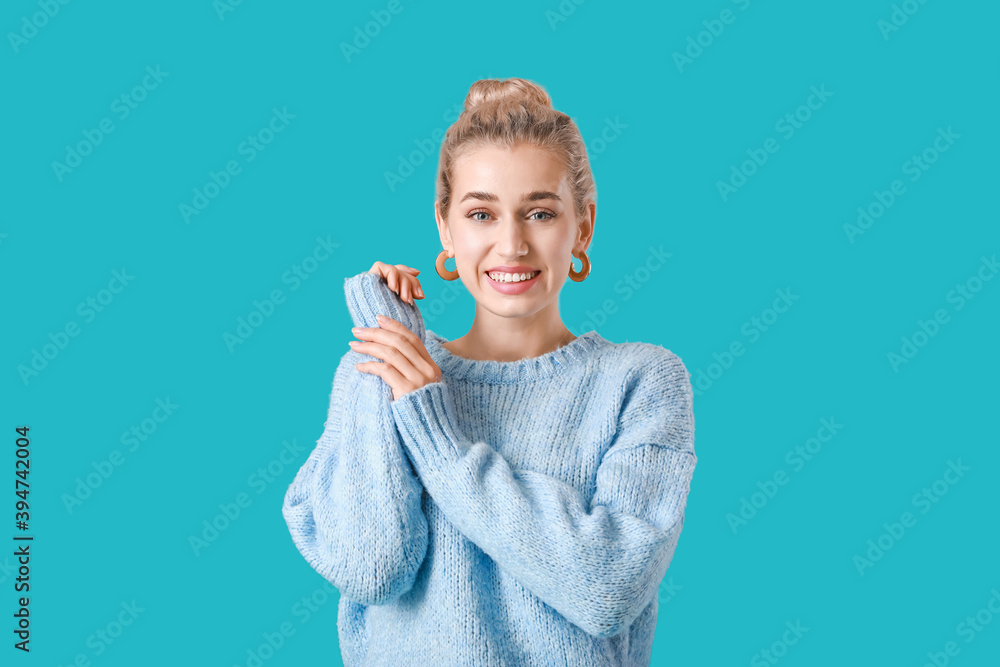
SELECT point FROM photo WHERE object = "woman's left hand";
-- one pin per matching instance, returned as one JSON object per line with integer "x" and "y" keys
{"x": 407, "y": 365}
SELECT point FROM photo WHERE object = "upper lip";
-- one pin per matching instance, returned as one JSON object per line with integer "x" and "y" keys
{"x": 511, "y": 269}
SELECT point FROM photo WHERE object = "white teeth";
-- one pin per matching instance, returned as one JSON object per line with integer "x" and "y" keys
{"x": 512, "y": 277}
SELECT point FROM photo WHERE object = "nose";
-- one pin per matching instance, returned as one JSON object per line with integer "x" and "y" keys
{"x": 511, "y": 239}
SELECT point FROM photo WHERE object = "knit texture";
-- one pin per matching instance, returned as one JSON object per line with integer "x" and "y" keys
{"x": 514, "y": 513}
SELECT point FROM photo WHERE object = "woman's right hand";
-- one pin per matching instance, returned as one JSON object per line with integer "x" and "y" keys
{"x": 401, "y": 279}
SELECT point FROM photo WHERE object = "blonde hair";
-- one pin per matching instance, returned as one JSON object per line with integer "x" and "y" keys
{"x": 515, "y": 111}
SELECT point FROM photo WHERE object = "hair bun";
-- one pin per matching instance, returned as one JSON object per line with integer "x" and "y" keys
{"x": 506, "y": 113}
{"x": 514, "y": 91}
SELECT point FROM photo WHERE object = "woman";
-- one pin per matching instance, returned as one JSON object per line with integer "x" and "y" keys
{"x": 556, "y": 468}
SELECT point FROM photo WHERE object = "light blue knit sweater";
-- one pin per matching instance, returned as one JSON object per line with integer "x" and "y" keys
{"x": 514, "y": 513}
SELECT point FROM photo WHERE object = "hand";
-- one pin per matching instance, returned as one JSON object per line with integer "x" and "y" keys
{"x": 401, "y": 279}
{"x": 406, "y": 364}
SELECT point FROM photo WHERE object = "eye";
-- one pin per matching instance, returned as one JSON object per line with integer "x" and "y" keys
{"x": 478, "y": 212}
{"x": 549, "y": 214}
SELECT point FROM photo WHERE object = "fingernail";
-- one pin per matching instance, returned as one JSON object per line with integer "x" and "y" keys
{"x": 380, "y": 318}
{"x": 352, "y": 343}
{"x": 355, "y": 330}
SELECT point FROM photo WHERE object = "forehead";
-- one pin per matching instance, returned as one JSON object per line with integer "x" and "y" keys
{"x": 508, "y": 173}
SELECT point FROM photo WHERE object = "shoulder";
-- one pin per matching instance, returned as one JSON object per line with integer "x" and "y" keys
{"x": 655, "y": 397}
{"x": 646, "y": 367}
{"x": 368, "y": 296}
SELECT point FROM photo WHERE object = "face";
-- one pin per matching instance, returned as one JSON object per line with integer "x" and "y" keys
{"x": 512, "y": 212}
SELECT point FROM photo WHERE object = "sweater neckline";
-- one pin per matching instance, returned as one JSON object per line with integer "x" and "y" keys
{"x": 507, "y": 372}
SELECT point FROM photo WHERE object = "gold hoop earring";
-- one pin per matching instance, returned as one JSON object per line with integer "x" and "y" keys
{"x": 584, "y": 271}
{"x": 443, "y": 272}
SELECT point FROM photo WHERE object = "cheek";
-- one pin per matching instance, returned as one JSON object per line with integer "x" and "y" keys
{"x": 471, "y": 251}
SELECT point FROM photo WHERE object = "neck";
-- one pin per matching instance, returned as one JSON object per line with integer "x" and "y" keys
{"x": 511, "y": 338}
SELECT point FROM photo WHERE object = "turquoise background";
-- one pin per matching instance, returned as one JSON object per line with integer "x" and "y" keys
{"x": 730, "y": 592}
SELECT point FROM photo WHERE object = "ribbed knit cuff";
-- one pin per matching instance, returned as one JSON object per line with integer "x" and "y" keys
{"x": 368, "y": 295}
{"x": 425, "y": 418}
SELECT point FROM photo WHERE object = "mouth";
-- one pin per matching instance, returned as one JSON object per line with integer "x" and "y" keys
{"x": 504, "y": 278}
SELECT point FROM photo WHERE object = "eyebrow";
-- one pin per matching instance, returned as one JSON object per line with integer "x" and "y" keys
{"x": 535, "y": 195}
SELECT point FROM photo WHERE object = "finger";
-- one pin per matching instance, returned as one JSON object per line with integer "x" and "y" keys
{"x": 403, "y": 349}
{"x": 412, "y": 287}
{"x": 401, "y": 360}
{"x": 404, "y": 288}
{"x": 382, "y": 370}
{"x": 376, "y": 350}
{"x": 415, "y": 291}
{"x": 399, "y": 384}
{"x": 389, "y": 327}
{"x": 399, "y": 283}
{"x": 378, "y": 368}
{"x": 409, "y": 269}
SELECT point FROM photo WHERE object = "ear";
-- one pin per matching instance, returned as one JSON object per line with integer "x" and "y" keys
{"x": 585, "y": 228}
{"x": 443, "y": 231}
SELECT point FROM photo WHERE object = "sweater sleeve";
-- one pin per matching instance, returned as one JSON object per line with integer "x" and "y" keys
{"x": 599, "y": 564}
{"x": 354, "y": 508}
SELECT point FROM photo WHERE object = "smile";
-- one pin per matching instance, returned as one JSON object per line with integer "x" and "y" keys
{"x": 499, "y": 277}
{"x": 512, "y": 283}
